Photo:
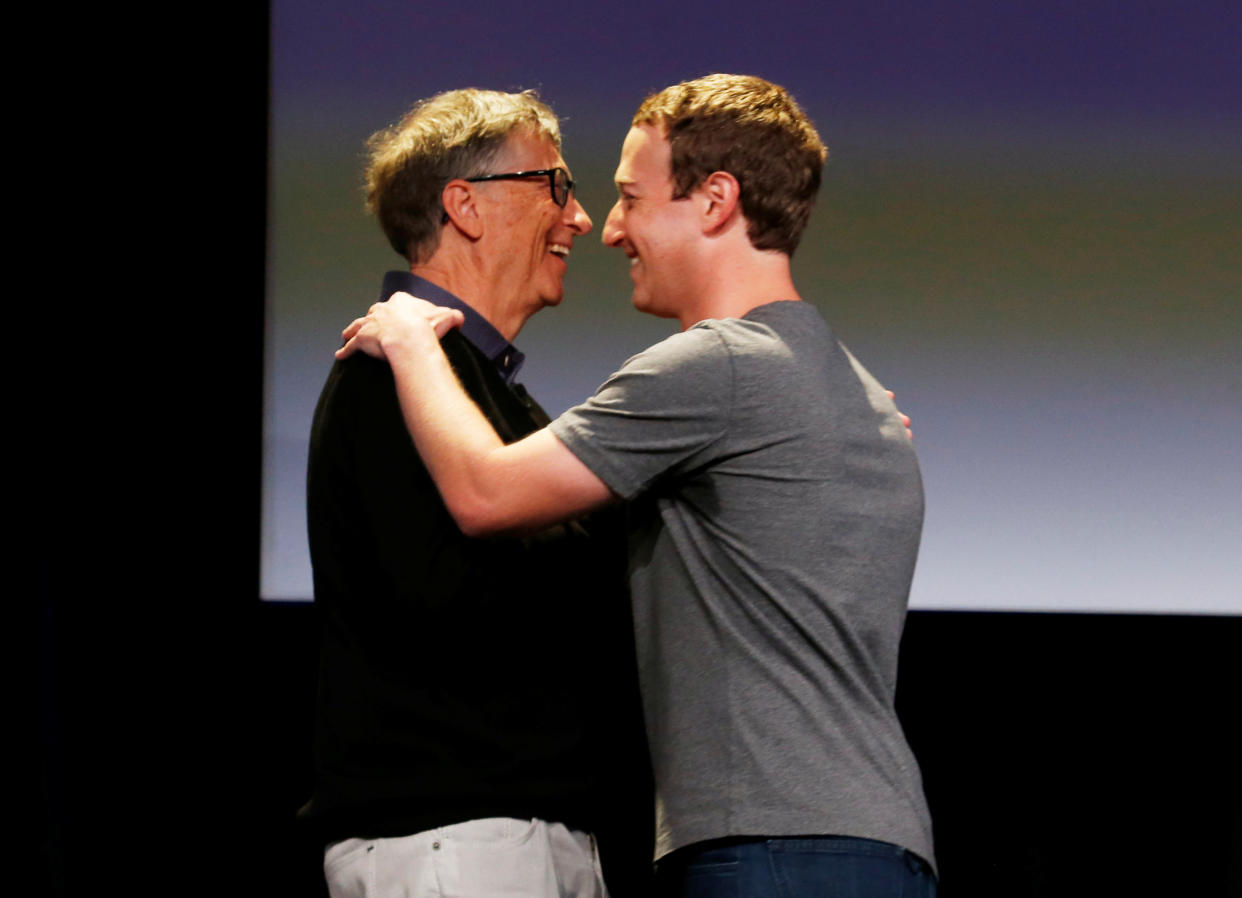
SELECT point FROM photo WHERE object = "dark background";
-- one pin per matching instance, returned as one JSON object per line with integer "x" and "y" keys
{"x": 1063, "y": 755}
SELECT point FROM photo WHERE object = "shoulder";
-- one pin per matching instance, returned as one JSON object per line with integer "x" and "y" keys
{"x": 686, "y": 377}
{"x": 693, "y": 366}
{"x": 780, "y": 321}
{"x": 716, "y": 345}
{"x": 361, "y": 389}
{"x": 778, "y": 334}
{"x": 356, "y": 380}
{"x": 699, "y": 347}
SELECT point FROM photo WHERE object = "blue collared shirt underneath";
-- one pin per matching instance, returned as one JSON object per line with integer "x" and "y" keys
{"x": 478, "y": 330}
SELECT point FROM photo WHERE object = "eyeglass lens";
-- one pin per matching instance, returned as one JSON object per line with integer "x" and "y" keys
{"x": 560, "y": 187}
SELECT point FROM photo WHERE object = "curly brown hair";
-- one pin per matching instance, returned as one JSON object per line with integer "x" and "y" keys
{"x": 754, "y": 130}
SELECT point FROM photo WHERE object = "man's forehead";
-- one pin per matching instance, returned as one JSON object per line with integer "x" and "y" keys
{"x": 645, "y": 155}
{"x": 531, "y": 151}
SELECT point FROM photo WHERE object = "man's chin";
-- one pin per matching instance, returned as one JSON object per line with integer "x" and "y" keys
{"x": 642, "y": 303}
{"x": 551, "y": 294}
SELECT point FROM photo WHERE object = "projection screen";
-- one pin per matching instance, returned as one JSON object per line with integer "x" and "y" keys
{"x": 1030, "y": 229}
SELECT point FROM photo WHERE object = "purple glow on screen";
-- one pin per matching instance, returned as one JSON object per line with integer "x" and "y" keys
{"x": 1029, "y": 228}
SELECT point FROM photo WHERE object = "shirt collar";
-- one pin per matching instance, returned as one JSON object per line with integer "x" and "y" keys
{"x": 478, "y": 330}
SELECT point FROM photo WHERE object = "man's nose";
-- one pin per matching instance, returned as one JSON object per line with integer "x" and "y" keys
{"x": 578, "y": 218}
{"x": 613, "y": 232}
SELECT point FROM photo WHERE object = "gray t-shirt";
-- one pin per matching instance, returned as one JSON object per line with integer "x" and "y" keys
{"x": 776, "y": 515}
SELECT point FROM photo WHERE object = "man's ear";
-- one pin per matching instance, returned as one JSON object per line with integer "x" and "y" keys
{"x": 460, "y": 202}
{"x": 721, "y": 193}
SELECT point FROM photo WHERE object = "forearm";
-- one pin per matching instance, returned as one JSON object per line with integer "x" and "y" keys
{"x": 453, "y": 437}
{"x": 488, "y": 487}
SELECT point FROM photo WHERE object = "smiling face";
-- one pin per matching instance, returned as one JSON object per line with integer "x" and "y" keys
{"x": 658, "y": 233}
{"x": 529, "y": 235}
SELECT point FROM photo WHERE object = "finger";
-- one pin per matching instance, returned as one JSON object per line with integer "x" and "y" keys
{"x": 445, "y": 320}
{"x": 905, "y": 419}
{"x": 891, "y": 394}
{"x": 348, "y": 349}
{"x": 354, "y": 327}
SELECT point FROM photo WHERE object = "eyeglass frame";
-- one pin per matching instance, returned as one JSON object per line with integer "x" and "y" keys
{"x": 551, "y": 174}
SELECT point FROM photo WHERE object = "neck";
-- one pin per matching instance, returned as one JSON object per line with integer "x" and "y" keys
{"x": 462, "y": 267}
{"x": 467, "y": 278}
{"x": 732, "y": 283}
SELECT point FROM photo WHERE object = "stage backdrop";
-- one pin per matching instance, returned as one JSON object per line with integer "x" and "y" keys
{"x": 1030, "y": 228}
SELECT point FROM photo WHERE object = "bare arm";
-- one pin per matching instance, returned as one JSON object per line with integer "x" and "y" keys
{"x": 488, "y": 487}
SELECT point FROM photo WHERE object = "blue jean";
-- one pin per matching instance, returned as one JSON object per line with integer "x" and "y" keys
{"x": 824, "y": 867}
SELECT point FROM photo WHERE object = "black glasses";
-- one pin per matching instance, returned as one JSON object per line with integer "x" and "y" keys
{"x": 558, "y": 181}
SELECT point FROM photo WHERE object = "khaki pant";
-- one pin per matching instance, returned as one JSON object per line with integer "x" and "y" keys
{"x": 487, "y": 858}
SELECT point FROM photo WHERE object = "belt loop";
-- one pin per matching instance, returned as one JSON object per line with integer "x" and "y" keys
{"x": 913, "y": 861}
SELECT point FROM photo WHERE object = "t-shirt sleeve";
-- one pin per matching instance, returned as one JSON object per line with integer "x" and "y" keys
{"x": 661, "y": 414}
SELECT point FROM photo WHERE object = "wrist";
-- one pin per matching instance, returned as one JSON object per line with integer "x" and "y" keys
{"x": 413, "y": 347}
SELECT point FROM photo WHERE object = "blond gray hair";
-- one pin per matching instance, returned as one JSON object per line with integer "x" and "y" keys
{"x": 456, "y": 134}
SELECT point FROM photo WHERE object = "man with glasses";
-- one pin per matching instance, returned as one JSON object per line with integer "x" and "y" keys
{"x": 775, "y": 508}
{"x": 477, "y": 717}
